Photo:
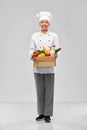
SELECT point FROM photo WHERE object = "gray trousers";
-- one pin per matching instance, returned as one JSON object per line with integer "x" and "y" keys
{"x": 45, "y": 93}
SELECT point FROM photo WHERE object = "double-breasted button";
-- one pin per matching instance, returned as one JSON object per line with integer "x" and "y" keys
{"x": 49, "y": 40}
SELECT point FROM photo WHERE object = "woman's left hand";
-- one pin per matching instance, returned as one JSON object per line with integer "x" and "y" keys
{"x": 56, "y": 55}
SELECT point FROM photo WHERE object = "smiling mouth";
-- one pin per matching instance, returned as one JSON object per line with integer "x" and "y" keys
{"x": 44, "y": 26}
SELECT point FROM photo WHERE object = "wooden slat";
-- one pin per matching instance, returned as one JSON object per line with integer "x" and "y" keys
{"x": 45, "y": 61}
{"x": 44, "y": 64}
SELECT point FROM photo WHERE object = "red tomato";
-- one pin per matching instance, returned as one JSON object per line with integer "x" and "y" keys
{"x": 47, "y": 54}
{"x": 35, "y": 53}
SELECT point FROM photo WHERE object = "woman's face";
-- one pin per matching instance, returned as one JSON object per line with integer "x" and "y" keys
{"x": 44, "y": 25}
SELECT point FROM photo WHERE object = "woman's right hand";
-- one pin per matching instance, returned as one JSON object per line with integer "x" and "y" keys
{"x": 33, "y": 58}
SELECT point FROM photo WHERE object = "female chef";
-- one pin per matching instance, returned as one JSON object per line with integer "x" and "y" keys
{"x": 44, "y": 76}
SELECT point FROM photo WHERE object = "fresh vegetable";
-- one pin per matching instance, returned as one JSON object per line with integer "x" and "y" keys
{"x": 35, "y": 54}
{"x": 56, "y": 50}
{"x": 47, "y": 53}
{"x": 51, "y": 51}
{"x": 41, "y": 55}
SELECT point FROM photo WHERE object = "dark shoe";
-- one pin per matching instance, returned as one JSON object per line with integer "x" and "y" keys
{"x": 40, "y": 117}
{"x": 47, "y": 119}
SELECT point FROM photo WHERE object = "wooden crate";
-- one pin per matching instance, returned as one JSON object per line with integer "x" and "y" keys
{"x": 45, "y": 61}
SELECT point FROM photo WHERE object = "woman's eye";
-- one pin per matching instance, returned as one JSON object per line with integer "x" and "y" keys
{"x": 46, "y": 21}
{"x": 41, "y": 21}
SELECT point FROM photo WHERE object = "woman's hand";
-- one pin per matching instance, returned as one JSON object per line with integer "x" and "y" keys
{"x": 56, "y": 55}
{"x": 34, "y": 55}
{"x": 33, "y": 58}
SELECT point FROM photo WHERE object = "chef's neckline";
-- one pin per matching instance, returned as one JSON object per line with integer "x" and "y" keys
{"x": 44, "y": 33}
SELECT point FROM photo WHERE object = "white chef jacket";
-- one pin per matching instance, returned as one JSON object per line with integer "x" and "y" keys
{"x": 38, "y": 40}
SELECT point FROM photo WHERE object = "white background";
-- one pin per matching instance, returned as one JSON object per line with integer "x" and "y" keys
{"x": 18, "y": 23}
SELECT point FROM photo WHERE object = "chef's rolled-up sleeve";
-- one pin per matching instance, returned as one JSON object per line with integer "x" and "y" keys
{"x": 32, "y": 47}
{"x": 57, "y": 42}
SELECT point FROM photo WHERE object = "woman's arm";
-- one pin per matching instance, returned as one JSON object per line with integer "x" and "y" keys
{"x": 32, "y": 48}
